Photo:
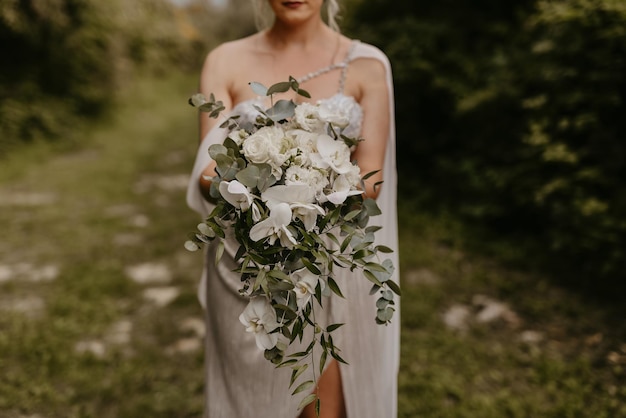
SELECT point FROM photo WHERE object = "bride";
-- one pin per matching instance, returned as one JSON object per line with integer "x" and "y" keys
{"x": 348, "y": 76}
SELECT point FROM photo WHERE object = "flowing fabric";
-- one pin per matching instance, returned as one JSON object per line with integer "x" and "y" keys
{"x": 240, "y": 382}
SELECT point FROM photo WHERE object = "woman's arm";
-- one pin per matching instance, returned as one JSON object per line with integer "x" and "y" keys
{"x": 374, "y": 100}
{"x": 213, "y": 79}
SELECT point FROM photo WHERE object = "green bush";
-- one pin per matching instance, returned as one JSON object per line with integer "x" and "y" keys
{"x": 511, "y": 114}
{"x": 66, "y": 59}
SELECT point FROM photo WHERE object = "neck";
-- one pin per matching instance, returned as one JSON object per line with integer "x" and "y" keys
{"x": 301, "y": 35}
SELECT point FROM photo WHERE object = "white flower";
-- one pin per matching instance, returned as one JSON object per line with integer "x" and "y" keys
{"x": 333, "y": 154}
{"x": 263, "y": 144}
{"x": 236, "y": 194}
{"x": 275, "y": 227}
{"x": 314, "y": 178}
{"x": 259, "y": 318}
{"x": 299, "y": 197}
{"x": 338, "y": 119}
{"x": 307, "y": 117}
{"x": 305, "y": 283}
{"x": 238, "y": 136}
{"x": 342, "y": 188}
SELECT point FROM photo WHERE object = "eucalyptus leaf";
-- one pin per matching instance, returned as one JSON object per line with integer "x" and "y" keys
{"x": 197, "y": 100}
{"x": 370, "y": 276}
{"x": 371, "y": 207}
{"x": 258, "y": 88}
{"x": 394, "y": 287}
{"x": 217, "y": 149}
{"x": 283, "y": 109}
{"x": 281, "y": 87}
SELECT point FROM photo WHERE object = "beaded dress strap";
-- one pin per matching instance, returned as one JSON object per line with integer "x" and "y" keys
{"x": 343, "y": 65}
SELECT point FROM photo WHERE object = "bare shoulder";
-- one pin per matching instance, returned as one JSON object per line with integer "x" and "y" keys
{"x": 223, "y": 55}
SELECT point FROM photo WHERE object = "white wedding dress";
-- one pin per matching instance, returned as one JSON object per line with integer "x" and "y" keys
{"x": 240, "y": 382}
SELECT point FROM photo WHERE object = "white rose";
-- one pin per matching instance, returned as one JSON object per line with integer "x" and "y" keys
{"x": 307, "y": 117}
{"x": 262, "y": 145}
{"x": 312, "y": 177}
{"x": 335, "y": 118}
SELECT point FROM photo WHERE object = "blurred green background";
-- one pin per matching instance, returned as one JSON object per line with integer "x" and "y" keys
{"x": 512, "y": 163}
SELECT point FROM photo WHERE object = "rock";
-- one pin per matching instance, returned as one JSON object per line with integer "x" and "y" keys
{"x": 531, "y": 337}
{"x": 161, "y": 296}
{"x": 195, "y": 325}
{"x": 149, "y": 273}
{"x": 492, "y": 310}
{"x": 185, "y": 346}
{"x": 457, "y": 317}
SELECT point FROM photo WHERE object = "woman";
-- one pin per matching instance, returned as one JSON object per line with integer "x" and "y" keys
{"x": 346, "y": 75}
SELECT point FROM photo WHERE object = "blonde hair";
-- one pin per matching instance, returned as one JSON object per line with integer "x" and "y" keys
{"x": 263, "y": 15}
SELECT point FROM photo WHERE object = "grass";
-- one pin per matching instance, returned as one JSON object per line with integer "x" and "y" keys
{"x": 109, "y": 208}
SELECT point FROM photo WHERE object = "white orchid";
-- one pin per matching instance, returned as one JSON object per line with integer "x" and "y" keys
{"x": 299, "y": 197}
{"x": 342, "y": 188}
{"x": 236, "y": 194}
{"x": 259, "y": 318}
{"x": 305, "y": 283}
{"x": 332, "y": 154}
{"x": 275, "y": 227}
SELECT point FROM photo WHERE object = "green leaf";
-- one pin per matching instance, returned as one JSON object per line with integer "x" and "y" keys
{"x": 370, "y": 174}
{"x": 375, "y": 267}
{"x": 385, "y": 315}
{"x": 351, "y": 215}
{"x": 304, "y": 93}
{"x": 371, "y": 207}
{"x": 283, "y": 109}
{"x": 307, "y": 400}
{"x": 323, "y": 360}
{"x": 258, "y": 88}
{"x": 383, "y": 249}
{"x": 219, "y": 251}
{"x": 370, "y": 276}
{"x": 279, "y": 275}
{"x": 310, "y": 266}
{"x": 197, "y": 100}
{"x": 338, "y": 357}
{"x": 382, "y": 303}
{"x": 394, "y": 287}
{"x": 333, "y": 327}
{"x": 303, "y": 386}
{"x": 297, "y": 371}
{"x": 217, "y": 149}
{"x": 281, "y": 87}
{"x": 287, "y": 362}
{"x": 334, "y": 287}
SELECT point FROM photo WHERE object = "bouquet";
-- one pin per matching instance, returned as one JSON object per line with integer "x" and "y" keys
{"x": 287, "y": 190}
